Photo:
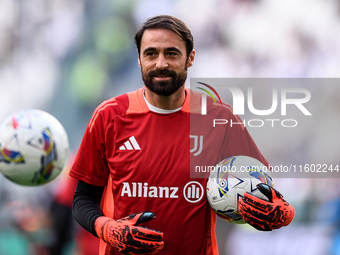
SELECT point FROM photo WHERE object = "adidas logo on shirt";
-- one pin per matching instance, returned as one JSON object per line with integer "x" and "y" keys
{"x": 130, "y": 144}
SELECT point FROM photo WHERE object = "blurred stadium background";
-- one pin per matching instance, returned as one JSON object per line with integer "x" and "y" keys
{"x": 67, "y": 56}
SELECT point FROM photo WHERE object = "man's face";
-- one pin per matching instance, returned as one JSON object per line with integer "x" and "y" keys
{"x": 163, "y": 61}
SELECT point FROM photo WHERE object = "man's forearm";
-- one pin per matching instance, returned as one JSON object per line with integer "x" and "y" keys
{"x": 86, "y": 205}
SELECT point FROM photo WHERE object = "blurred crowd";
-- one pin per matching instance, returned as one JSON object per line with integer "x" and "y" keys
{"x": 67, "y": 56}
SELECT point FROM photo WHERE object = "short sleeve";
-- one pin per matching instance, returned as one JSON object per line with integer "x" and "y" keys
{"x": 90, "y": 164}
{"x": 238, "y": 141}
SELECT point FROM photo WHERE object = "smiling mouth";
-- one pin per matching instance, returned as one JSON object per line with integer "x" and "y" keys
{"x": 162, "y": 77}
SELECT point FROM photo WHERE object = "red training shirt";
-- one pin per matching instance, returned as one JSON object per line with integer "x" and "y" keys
{"x": 143, "y": 158}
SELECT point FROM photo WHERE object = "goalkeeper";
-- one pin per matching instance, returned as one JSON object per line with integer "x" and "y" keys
{"x": 133, "y": 164}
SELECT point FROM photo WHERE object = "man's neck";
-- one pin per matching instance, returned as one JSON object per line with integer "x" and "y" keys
{"x": 171, "y": 102}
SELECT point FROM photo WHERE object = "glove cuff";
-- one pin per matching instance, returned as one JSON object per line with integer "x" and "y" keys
{"x": 100, "y": 226}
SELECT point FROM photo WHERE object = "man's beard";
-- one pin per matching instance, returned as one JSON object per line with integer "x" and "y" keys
{"x": 164, "y": 88}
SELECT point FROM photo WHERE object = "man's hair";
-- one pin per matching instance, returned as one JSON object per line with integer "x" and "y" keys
{"x": 166, "y": 22}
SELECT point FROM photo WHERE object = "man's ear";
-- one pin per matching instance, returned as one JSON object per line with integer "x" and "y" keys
{"x": 191, "y": 58}
{"x": 140, "y": 65}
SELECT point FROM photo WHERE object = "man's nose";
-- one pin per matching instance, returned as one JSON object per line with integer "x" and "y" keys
{"x": 161, "y": 62}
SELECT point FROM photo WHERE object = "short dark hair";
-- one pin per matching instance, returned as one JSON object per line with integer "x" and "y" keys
{"x": 167, "y": 22}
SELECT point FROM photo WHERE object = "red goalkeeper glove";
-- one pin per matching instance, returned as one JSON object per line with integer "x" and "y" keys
{"x": 266, "y": 215}
{"x": 127, "y": 237}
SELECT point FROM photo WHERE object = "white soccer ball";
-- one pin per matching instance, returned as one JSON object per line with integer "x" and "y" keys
{"x": 33, "y": 147}
{"x": 230, "y": 179}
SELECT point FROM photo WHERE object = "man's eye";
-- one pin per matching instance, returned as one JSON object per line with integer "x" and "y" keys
{"x": 150, "y": 54}
{"x": 172, "y": 54}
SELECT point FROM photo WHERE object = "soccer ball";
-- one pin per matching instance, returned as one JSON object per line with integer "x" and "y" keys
{"x": 230, "y": 179}
{"x": 33, "y": 147}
